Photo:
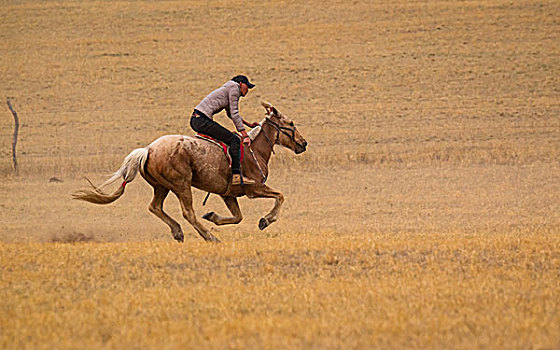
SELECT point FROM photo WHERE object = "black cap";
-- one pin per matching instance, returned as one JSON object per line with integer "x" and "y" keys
{"x": 243, "y": 79}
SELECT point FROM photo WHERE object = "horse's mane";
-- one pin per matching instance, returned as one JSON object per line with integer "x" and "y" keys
{"x": 256, "y": 130}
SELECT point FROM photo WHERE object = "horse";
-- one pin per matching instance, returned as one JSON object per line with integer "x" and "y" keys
{"x": 177, "y": 163}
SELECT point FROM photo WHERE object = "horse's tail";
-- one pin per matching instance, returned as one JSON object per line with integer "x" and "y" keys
{"x": 134, "y": 162}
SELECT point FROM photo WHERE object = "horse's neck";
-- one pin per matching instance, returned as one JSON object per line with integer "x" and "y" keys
{"x": 262, "y": 145}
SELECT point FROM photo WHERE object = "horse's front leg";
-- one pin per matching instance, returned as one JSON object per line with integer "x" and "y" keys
{"x": 233, "y": 206}
{"x": 267, "y": 192}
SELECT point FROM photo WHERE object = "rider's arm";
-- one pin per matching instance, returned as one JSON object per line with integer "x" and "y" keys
{"x": 233, "y": 95}
{"x": 249, "y": 124}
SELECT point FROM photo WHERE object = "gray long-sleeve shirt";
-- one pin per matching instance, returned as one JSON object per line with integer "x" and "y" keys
{"x": 225, "y": 97}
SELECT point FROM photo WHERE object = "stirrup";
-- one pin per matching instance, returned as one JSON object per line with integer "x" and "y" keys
{"x": 237, "y": 179}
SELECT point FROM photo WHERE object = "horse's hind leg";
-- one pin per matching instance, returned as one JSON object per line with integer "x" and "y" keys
{"x": 185, "y": 198}
{"x": 233, "y": 207}
{"x": 156, "y": 208}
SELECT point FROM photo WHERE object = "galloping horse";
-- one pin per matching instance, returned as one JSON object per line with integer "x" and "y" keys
{"x": 176, "y": 163}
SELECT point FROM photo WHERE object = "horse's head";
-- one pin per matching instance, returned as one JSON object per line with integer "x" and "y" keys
{"x": 287, "y": 133}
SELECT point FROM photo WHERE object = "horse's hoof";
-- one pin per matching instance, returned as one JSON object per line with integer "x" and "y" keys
{"x": 208, "y": 216}
{"x": 179, "y": 237}
{"x": 212, "y": 239}
{"x": 263, "y": 223}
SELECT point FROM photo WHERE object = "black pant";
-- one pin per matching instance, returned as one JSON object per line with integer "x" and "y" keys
{"x": 204, "y": 125}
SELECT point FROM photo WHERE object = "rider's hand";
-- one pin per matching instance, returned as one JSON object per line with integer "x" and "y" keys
{"x": 246, "y": 139}
{"x": 254, "y": 125}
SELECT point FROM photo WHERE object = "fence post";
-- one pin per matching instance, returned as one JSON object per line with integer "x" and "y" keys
{"x": 16, "y": 130}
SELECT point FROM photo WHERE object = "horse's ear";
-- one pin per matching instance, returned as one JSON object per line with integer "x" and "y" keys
{"x": 269, "y": 108}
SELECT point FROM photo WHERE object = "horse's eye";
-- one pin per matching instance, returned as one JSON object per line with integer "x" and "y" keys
{"x": 291, "y": 123}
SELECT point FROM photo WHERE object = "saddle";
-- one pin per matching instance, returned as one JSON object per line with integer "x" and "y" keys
{"x": 224, "y": 147}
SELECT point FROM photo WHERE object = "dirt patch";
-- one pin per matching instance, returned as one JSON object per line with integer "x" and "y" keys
{"x": 73, "y": 237}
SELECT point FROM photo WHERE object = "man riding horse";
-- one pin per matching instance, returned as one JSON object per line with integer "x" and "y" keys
{"x": 226, "y": 97}
{"x": 177, "y": 163}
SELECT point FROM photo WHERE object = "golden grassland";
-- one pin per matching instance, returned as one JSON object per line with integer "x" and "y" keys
{"x": 320, "y": 291}
{"x": 425, "y": 214}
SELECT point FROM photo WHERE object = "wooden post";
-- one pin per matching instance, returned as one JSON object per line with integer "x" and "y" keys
{"x": 16, "y": 130}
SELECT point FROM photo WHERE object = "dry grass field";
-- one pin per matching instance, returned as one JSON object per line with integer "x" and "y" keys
{"x": 425, "y": 213}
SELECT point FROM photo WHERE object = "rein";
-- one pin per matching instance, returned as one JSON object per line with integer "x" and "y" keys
{"x": 270, "y": 142}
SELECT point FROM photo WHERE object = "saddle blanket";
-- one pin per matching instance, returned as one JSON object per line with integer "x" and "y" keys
{"x": 224, "y": 147}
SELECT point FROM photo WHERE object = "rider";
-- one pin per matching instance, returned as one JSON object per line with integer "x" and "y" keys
{"x": 226, "y": 97}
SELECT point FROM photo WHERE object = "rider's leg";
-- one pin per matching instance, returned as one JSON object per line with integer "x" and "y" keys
{"x": 209, "y": 127}
{"x": 234, "y": 151}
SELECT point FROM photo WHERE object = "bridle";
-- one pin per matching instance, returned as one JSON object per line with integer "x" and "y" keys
{"x": 290, "y": 132}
